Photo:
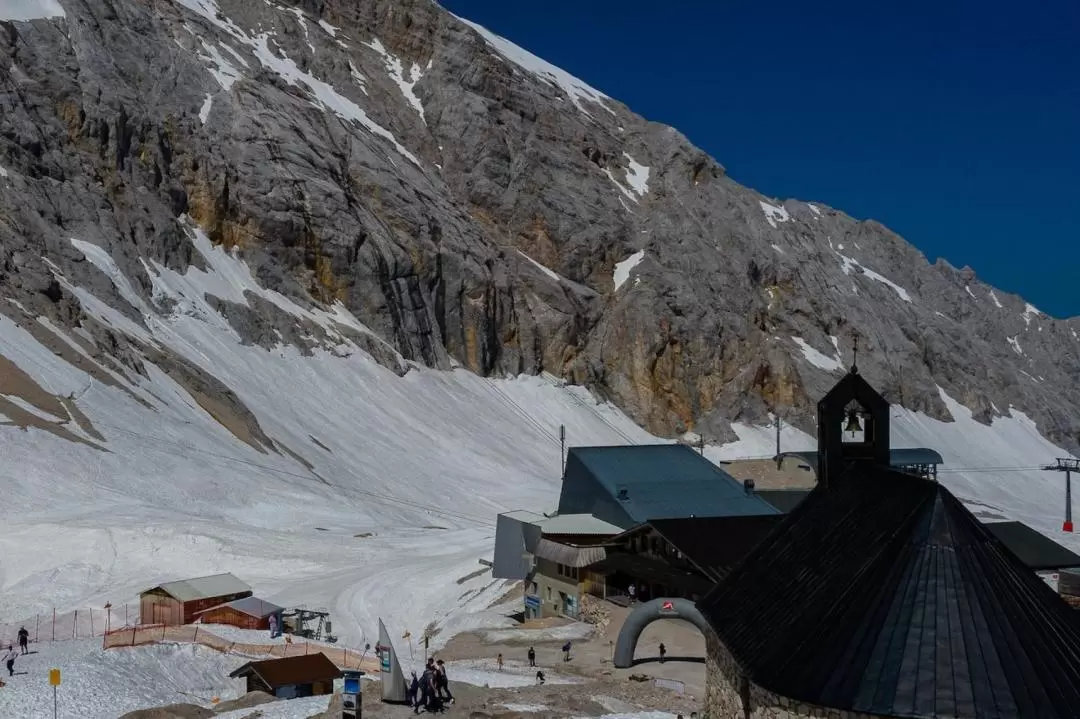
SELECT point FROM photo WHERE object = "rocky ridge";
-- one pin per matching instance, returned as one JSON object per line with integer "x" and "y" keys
{"x": 468, "y": 204}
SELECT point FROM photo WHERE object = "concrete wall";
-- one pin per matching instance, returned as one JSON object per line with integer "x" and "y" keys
{"x": 512, "y": 558}
{"x": 729, "y": 695}
{"x": 547, "y": 577}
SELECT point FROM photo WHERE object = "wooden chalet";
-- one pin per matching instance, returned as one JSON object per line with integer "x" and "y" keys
{"x": 181, "y": 602}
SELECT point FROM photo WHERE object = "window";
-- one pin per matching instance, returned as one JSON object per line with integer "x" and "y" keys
{"x": 549, "y": 593}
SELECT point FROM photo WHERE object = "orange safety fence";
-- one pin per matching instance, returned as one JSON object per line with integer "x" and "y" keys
{"x": 142, "y": 635}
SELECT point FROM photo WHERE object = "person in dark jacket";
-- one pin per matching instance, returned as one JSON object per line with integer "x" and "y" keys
{"x": 412, "y": 690}
{"x": 442, "y": 684}
{"x": 426, "y": 683}
{"x": 24, "y": 639}
{"x": 532, "y": 657}
{"x": 663, "y": 652}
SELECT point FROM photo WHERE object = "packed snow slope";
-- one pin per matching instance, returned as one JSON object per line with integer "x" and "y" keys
{"x": 306, "y": 297}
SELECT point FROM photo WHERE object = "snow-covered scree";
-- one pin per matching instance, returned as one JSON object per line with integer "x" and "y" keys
{"x": 406, "y": 473}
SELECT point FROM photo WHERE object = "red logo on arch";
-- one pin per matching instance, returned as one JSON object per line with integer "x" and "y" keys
{"x": 668, "y": 606}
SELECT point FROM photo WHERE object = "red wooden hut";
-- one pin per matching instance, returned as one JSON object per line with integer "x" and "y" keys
{"x": 246, "y": 613}
{"x": 175, "y": 603}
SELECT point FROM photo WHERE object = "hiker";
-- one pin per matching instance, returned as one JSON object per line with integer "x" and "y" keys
{"x": 442, "y": 684}
{"x": 24, "y": 639}
{"x": 412, "y": 690}
{"x": 566, "y": 652}
{"x": 532, "y": 657}
{"x": 539, "y": 677}
{"x": 499, "y": 659}
{"x": 663, "y": 652}
{"x": 10, "y": 658}
{"x": 426, "y": 683}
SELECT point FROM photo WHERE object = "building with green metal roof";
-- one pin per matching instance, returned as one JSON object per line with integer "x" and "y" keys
{"x": 628, "y": 485}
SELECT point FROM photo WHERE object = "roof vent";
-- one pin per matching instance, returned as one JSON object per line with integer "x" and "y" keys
{"x": 748, "y": 486}
{"x": 622, "y": 494}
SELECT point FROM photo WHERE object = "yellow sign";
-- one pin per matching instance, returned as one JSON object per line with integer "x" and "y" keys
{"x": 54, "y": 677}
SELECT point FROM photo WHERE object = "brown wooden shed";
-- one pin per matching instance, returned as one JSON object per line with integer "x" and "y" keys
{"x": 179, "y": 602}
{"x": 246, "y": 613}
{"x": 306, "y": 675}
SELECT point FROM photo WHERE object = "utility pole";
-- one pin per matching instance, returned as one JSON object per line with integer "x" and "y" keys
{"x": 779, "y": 461}
{"x": 1068, "y": 466}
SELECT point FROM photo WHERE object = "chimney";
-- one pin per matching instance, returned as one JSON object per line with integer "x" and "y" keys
{"x": 748, "y": 486}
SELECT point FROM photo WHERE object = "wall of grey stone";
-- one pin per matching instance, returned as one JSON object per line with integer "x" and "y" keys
{"x": 728, "y": 695}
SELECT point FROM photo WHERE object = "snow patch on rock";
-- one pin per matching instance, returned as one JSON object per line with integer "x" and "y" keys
{"x": 396, "y": 71}
{"x": 774, "y": 214}
{"x": 637, "y": 176}
{"x": 816, "y": 358}
{"x": 204, "y": 111}
{"x": 1030, "y": 311}
{"x": 543, "y": 268}
{"x": 849, "y": 264}
{"x": 327, "y": 96}
{"x": 624, "y": 268}
{"x": 575, "y": 89}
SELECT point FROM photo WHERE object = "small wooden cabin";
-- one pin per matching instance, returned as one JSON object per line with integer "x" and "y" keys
{"x": 246, "y": 613}
{"x": 308, "y": 675}
{"x": 179, "y": 602}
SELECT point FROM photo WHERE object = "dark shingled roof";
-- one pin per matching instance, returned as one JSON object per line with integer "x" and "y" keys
{"x": 784, "y": 499}
{"x": 715, "y": 544}
{"x": 1036, "y": 550}
{"x": 301, "y": 669}
{"x": 883, "y": 594}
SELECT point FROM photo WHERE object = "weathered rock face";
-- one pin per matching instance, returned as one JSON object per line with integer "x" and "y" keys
{"x": 469, "y": 205}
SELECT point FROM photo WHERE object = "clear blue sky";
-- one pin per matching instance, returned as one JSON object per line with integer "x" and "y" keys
{"x": 955, "y": 123}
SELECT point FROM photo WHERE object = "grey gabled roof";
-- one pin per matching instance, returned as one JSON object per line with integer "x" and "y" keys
{"x": 902, "y": 457}
{"x": 251, "y": 606}
{"x": 215, "y": 585}
{"x": 1034, "y": 549}
{"x": 577, "y": 524}
{"x": 662, "y": 481}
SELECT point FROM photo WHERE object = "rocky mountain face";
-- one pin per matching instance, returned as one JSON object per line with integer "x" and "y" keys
{"x": 470, "y": 205}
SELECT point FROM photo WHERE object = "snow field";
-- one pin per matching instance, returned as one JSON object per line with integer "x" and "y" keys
{"x": 99, "y": 684}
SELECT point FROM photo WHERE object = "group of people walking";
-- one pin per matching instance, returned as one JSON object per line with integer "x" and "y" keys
{"x": 431, "y": 690}
{"x": 11, "y": 654}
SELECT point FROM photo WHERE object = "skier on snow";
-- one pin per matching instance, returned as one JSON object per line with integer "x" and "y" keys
{"x": 24, "y": 639}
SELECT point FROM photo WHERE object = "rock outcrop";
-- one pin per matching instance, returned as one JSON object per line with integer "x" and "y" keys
{"x": 469, "y": 205}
